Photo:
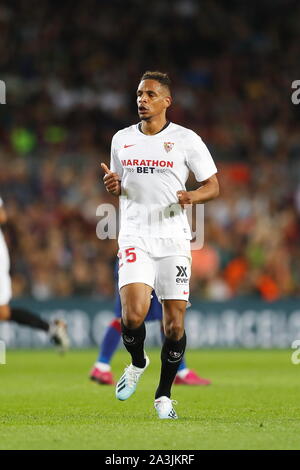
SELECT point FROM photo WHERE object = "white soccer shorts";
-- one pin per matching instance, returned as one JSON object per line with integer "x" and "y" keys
{"x": 163, "y": 264}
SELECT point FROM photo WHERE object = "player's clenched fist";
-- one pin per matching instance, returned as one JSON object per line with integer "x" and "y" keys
{"x": 111, "y": 181}
{"x": 185, "y": 197}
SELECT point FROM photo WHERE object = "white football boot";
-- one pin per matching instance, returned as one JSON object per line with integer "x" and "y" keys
{"x": 59, "y": 336}
{"x": 127, "y": 384}
{"x": 164, "y": 408}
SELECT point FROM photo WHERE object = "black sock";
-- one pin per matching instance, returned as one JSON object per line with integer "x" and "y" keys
{"x": 134, "y": 343}
{"x": 171, "y": 355}
{"x": 23, "y": 317}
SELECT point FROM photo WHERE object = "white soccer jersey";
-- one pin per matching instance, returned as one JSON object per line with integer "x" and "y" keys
{"x": 152, "y": 168}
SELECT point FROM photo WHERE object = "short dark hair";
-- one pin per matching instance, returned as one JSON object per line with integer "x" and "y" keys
{"x": 160, "y": 77}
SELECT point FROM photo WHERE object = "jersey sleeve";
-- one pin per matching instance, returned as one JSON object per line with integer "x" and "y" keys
{"x": 115, "y": 164}
{"x": 1, "y": 202}
{"x": 199, "y": 159}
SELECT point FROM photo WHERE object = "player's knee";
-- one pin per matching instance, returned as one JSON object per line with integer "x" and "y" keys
{"x": 133, "y": 317}
{"x": 174, "y": 329}
{"x": 133, "y": 322}
{"x": 174, "y": 320}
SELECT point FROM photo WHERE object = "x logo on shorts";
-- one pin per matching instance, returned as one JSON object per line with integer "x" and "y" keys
{"x": 181, "y": 271}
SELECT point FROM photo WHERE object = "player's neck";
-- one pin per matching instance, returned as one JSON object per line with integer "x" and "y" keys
{"x": 153, "y": 126}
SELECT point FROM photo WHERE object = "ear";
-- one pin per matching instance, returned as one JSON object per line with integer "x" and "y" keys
{"x": 168, "y": 100}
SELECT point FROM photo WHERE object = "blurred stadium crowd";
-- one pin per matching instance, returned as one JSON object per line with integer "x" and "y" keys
{"x": 71, "y": 71}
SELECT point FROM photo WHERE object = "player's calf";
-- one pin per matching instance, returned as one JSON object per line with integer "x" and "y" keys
{"x": 133, "y": 340}
{"x": 171, "y": 355}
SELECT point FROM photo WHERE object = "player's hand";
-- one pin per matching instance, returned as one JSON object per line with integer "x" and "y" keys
{"x": 185, "y": 197}
{"x": 111, "y": 181}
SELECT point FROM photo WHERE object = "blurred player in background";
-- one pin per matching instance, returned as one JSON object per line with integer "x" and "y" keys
{"x": 57, "y": 330}
{"x": 101, "y": 372}
{"x": 150, "y": 164}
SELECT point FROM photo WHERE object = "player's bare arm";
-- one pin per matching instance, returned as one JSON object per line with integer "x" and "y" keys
{"x": 207, "y": 192}
{"x": 3, "y": 216}
{"x": 111, "y": 181}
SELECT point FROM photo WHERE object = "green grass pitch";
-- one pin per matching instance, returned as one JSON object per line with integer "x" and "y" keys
{"x": 47, "y": 402}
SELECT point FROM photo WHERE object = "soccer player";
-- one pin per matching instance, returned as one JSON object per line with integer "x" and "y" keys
{"x": 101, "y": 371}
{"x": 150, "y": 164}
{"x": 57, "y": 330}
